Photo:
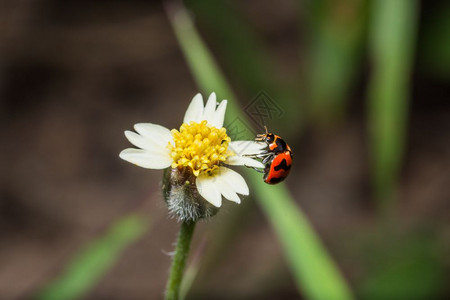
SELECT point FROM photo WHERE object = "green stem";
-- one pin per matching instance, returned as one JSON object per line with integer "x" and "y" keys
{"x": 179, "y": 260}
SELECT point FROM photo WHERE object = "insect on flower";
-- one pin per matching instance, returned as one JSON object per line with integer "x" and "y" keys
{"x": 277, "y": 158}
{"x": 196, "y": 156}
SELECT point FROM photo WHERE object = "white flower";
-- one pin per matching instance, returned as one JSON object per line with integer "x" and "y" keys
{"x": 201, "y": 145}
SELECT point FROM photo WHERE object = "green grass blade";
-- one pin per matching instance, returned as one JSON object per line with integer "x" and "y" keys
{"x": 88, "y": 267}
{"x": 392, "y": 41}
{"x": 246, "y": 58}
{"x": 247, "y": 55}
{"x": 315, "y": 273}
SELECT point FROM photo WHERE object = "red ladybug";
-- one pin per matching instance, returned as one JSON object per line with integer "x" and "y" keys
{"x": 277, "y": 159}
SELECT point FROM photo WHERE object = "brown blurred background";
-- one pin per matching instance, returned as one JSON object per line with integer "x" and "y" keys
{"x": 75, "y": 74}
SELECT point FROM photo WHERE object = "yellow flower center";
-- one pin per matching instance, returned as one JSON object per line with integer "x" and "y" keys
{"x": 200, "y": 147}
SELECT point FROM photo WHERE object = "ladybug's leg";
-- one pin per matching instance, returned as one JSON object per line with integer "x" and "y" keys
{"x": 262, "y": 155}
{"x": 256, "y": 169}
{"x": 267, "y": 159}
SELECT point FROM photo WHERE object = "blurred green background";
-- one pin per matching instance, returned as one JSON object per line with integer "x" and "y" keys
{"x": 362, "y": 88}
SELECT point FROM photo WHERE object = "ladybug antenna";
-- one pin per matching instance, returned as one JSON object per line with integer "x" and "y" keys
{"x": 260, "y": 137}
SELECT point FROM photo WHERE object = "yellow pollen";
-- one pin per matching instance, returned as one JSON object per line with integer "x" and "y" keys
{"x": 200, "y": 147}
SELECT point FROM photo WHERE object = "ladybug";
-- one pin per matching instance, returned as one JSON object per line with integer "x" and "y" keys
{"x": 277, "y": 159}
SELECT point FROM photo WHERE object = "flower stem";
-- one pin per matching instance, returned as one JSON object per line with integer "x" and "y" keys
{"x": 179, "y": 260}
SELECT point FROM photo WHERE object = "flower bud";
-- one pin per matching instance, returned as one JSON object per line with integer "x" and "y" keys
{"x": 182, "y": 197}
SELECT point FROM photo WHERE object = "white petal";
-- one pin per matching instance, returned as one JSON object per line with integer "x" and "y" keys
{"x": 146, "y": 159}
{"x": 195, "y": 110}
{"x": 219, "y": 115}
{"x": 226, "y": 189}
{"x": 237, "y": 160}
{"x": 247, "y": 147}
{"x": 145, "y": 143}
{"x": 210, "y": 109}
{"x": 235, "y": 180}
{"x": 206, "y": 186}
{"x": 157, "y": 134}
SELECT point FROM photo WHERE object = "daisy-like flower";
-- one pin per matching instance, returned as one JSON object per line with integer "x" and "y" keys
{"x": 196, "y": 156}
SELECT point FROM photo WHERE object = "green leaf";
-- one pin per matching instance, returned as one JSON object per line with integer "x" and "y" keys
{"x": 89, "y": 265}
{"x": 392, "y": 40}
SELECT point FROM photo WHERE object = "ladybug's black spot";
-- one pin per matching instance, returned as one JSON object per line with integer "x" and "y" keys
{"x": 274, "y": 180}
{"x": 282, "y": 166}
{"x": 281, "y": 145}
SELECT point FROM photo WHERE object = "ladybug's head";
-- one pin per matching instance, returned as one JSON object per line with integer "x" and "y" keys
{"x": 269, "y": 138}
{"x": 266, "y": 137}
